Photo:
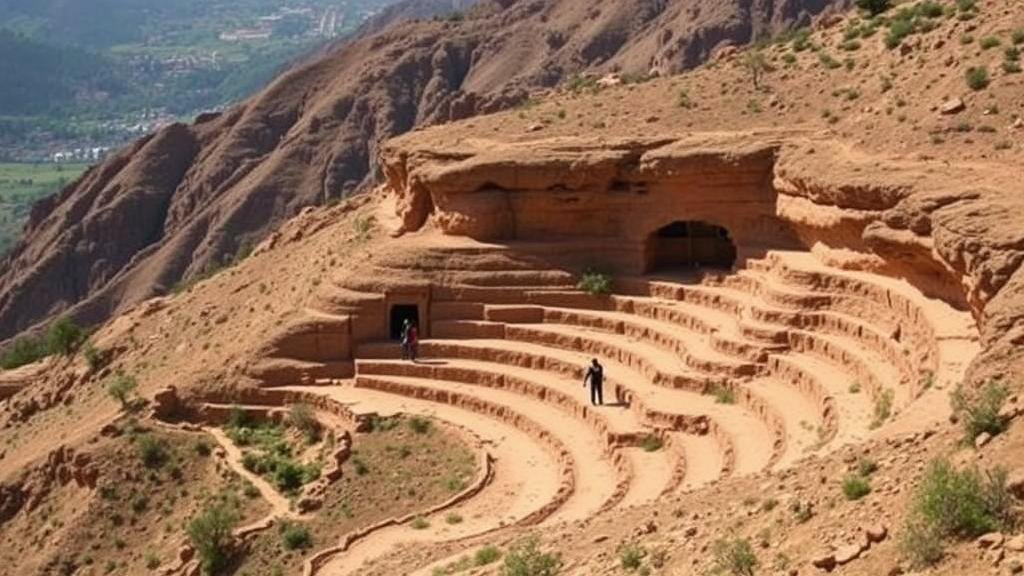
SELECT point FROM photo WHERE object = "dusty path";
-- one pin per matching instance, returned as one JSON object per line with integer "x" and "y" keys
{"x": 280, "y": 507}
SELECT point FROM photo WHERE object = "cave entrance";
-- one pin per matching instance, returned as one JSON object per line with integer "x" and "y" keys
{"x": 399, "y": 314}
{"x": 690, "y": 244}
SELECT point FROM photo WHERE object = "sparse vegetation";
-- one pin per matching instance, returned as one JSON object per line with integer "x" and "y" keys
{"x": 866, "y": 467}
{"x": 952, "y": 503}
{"x": 121, "y": 387}
{"x": 420, "y": 425}
{"x": 419, "y": 523}
{"x": 652, "y": 443}
{"x": 152, "y": 451}
{"x": 856, "y": 487}
{"x": 295, "y": 536}
{"x": 62, "y": 338}
{"x": 631, "y": 556}
{"x": 527, "y": 559}
{"x": 756, "y": 65}
{"x": 874, "y": 7}
{"x": 883, "y": 407}
{"x": 734, "y": 556}
{"x": 1017, "y": 36}
{"x": 364, "y": 227}
{"x": 723, "y": 394}
{"x": 977, "y": 78}
{"x": 453, "y": 518}
{"x": 595, "y": 282}
{"x": 302, "y": 418}
{"x": 978, "y": 412}
{"x": 989, "y": 42}
{"x": 802, "y": 511}
{"x": 210, "y": 535}
{"x": 684, "y": 101}
{"x": 270, "y": 455}
{"x": 486, "y": 555}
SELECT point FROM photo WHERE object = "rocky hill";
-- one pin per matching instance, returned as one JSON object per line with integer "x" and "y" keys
{"x": 185, "y": 201}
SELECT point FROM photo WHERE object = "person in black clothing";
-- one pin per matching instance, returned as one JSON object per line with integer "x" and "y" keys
{"x": 596, "y": 376}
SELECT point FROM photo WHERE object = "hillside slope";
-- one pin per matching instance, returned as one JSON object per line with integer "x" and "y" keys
{"x": 184, "y": 201}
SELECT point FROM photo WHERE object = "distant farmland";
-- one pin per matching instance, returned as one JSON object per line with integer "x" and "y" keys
{"x": 23, "y": 184}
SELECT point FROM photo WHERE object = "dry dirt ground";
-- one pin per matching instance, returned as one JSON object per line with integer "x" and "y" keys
{"x": 886, "y": 101}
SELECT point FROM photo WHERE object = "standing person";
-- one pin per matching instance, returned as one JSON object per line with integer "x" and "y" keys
{"x": 414, "y": 341}
{"x": 405, "y": 338}
{"x": 595, "y": 374}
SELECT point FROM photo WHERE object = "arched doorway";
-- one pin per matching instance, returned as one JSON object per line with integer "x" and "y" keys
{"x": 399, "y": 314}
{"x": 690, "y": 244}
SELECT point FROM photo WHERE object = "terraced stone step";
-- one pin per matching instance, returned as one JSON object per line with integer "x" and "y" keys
{"x": 602, "y": 478}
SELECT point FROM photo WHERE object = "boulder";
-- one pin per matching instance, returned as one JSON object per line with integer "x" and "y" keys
{"x": 953, "y": 106}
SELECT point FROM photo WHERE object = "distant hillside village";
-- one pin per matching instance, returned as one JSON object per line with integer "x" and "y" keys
{"x": 287, "y": 21}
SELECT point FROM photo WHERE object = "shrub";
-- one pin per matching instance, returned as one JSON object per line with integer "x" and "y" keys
{"x": 360, "y": 467}
{"x": 93, "y": 357}
{"x": 883, "y": 407}
{"x": 631, "y": 556}
{"x": 288, "y": 475}
{"x": 301, "y": 417}
{"x": 486, "y": 555}
{"x": 951, "y": 503}
{"x": 979, "y": 413}
{"x": 152, "y": 451}
{"x": 152, "y": 561}
{"x": 202, "y": 448}
{"x": 802, "y": 511}
{"x": 988, "y": 42}
{"x": 899, "y": 29}
{"x": 121, "y": 387}
{"x": 526, "y": 559}
{"x": 828, "y": 61}
{"x": 419, "y": 425}
{"x": 866, "y": 467}
{"x": 453, "y": 518}
{"x": 684, "y": 101}
{"x": 874, "y": 7}
{"x": 63, "y": 337}
{"x": 1011, "y": 67}
{"x": 419, "y": 523}
{"x": 1017, "y": 36}
{"x": 930, "y": 9}
{"x": 734, "y": 556}
{"x": 25, "y": 350}
{"x": 977, "y": 78}
{"x": 210, "y": 534}
{"x": 295, "y": 536}
{"x": 755, "y": 63}
{"x": 802, "y": 40}
{"x": 856, "y": 487}
{"x": 723, "y": 394}
{"x": 237, "y": 418}
{"x": 594, "y": 282}
{"x": 651, "y": 443}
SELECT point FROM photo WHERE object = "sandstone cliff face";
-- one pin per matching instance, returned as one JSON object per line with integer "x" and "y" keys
{"x": 191, "y": 197}
{"x": 950, "y": 231}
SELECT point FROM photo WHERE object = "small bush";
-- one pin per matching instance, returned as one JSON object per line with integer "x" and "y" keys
{"x": 988, "y": 42}
{"x": 802, "y": 511}
{"x": 202, "y": 448}
{"x": 866, "y": 467}
{"x": 295, "y": 536}
{"x": 1017, "y": 36}
{"x": 684, "y": 101}
{"x": 289, "y": 476}
{"x": 25, "y": 350}
{"x": 883, "y": 407}
{"x": 526, "y": 559}
{"x": 874, "y": 7}
{"x": 63, "y": 337}
{"x": 121, "y": 387}
{"x": 856, "y": 487}
{"x": 951, "y": 503}
{"x": 152, "y": 451}
{"x": 210, "y": 534}
{"x": 723, "y": 394}
{"x": 152, "y": 561}
{"x": 1011, "y": 67}
{"x": 979, "y": 413}
{"x": 419, "y": 523}
{"x": 419, "y": 425}
{"x": 734, "y": 556}
{"x": 855, "y": 388}
{"x": 594, "y": 282}
{"x": 631, "y": 556}
{"x": 651, "y": 443}
{"x": 828, "y": 61}
{"x": 899, "y": 29}
{"x": 486, "y": 555}
{"x": 977, "y": 78}
{"x": 302, "y": 418}
{"x": 802, "y": 40}
{"x": 453, "y": 518}
{"x": 93, "y": 357}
